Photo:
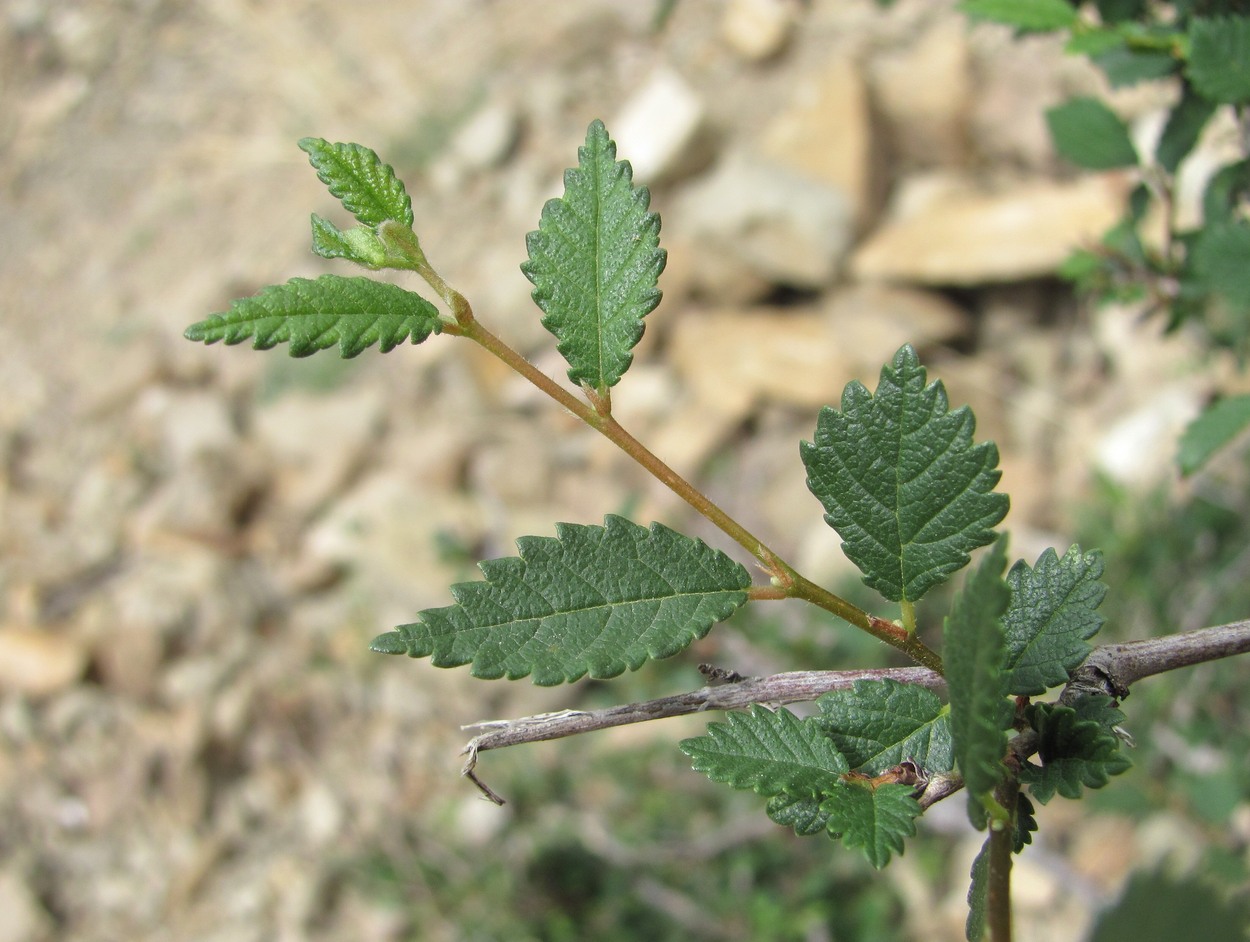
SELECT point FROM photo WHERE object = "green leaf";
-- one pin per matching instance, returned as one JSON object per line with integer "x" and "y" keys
{"x": 769, "y": 753}
{"x": 1091, "y": 135}
{"x": 1117, "y": 11}
{"x": 1221, "y": 259}
{"x": 1077, "y": 748}
{"x": 876, "y": 819}
{"x": 354, "y": 313}
{"x": 1218, "y": 425}
{"x": 799, "y": 812}
{"x": 879, "y": 724}
{"x": 1053, "y": 613}
{"x": 1225, "y": 193}
{"x": 1219, "y": 57}
{"x": 1024, "y": 15}
{"x": 593, "y": 600}
{"x": 368, "y": 188}
{"x": 1025, "y": 823}
{"x": 1185, "y": 124}
{"x": 975, "y": 656}
{"x": 974, "y": 927}
{"x": 901, "y": 481}
{"x": 359, "y": 244}
{"x": 595, "y": 261}
{"x": 1127, "y": 64}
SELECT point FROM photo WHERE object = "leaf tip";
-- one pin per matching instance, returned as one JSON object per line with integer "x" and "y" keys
{"x": 391, "y": 642}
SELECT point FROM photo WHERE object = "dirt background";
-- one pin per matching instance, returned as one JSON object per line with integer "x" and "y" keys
{"x": 197, "y": 544}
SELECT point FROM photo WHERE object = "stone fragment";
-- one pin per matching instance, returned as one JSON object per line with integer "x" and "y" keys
{"x": 779, "y": 223}
{"x": 757, "y": 29}
{"x": 317, "y": 442}
{"x": 826, "y": 132}
{"x": 923, "y": 91}
{"x": 871, "y": 321}
{"x": 1140, "y": 448}
{"x": 731, "y": 360}
{"x": 945, "y": 232}
{"x": 22, "y": 918}
{"x": 487, "y": 138}
{"x": 660, "y": 129}
{"x": 39, "y": 663}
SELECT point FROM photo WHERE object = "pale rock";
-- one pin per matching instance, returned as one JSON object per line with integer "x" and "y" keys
{"x": 730, "y": 361}
{"x": 693, "y": 431}
{"x": 924, "y": 91}
{"x": 316, "y": 443}
{"x": 1139, "y": 449}
{"x": 385, "y": 530}
{"x": 945, "y": 232}
{"x": 826, "y": 132}
{"x": 514, "y": 468}
{"x": 487, "y": 138}
{"x": 712, "y": 277}
{"x": 758, "y": 29}
{"x": 22, "y": 918}
{"x": 781, "y": 224}
{"x": 1219, "y": 146}
{"x": 872, "y": 321}
{"x": 321, "y": 813}
{"x": 201, "y": 500}
{"x": 39, "y": 663}
{"x": 189, "y": 424}
{"x": 660, "y": 129}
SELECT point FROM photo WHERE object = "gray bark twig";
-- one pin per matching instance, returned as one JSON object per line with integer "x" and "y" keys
{"x": 1110, "y": 669}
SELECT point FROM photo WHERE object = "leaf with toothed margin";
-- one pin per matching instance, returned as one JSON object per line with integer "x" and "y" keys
{"x": 769, "y": 752}
{"x": 352, "y": 313}
{"x": 873, "y": 817}
{"x": 902, "y": 482}
{"x": 367, "y": 187}
{"x": 592, "y": 601}
{"x": 880, "y": 723}
{"x": 595, "y": 262}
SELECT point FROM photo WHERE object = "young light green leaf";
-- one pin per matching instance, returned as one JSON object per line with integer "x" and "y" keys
{"x": 358, "y": 244}
{"x": 879, "y": 724}
{"x": 770, "y": 753}
{"x": 974, "y": 926}
{"x": 874, "y": 818}
{"x": 800, "y": 812}
{"x": 1053, "y": 613}
{"x": 368, "y": 188}
{"x": 1185, "y": 124}
{"x": 974, "y": 652}
{"x": 1219, "y": 57}
{"x": 595, "y": 261}
{"x": 902, "y": 482}
{"x": 593, "y": 600}
{"x": 1218, "y": 425}
{"x": 1076, "y": 746}
{"x": 1091, "y": 135}
{"x": 1024, "y": 15}
{"x": 353, "y": 313}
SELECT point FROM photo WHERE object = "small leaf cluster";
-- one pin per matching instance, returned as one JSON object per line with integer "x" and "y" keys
{"x": 897, "y": 471}
{"x": 1199, "y": 275}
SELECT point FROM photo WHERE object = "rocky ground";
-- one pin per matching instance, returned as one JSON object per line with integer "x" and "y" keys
{"x": 198, "y": 544}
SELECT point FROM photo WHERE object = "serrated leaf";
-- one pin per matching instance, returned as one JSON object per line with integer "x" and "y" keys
{"x": 1025, "y": 823}
{"x": 902, "y": 482}
{"x": 593, "y": 600}
{"x": 876, "y": 819}
{"x": 880, "y": 723}
{"x": 1076, "y": 746}
{"x": 595, "y": 262}
{"x": 1053, "y": 613}
{"x": 1185, "y": 124}
{"x": 1225, "y": 193}
{"x": 974, "y": 652}
{"x": 367, "y": 187}
{"x": 1219, "y": 57}
{"x": 769, "y": 753}
{"x": 353, "y": 313}
{"x": 1218, "y": 425}
{"x": 1091, "y": 135}
{"x": 978, "y": 892}
{"x": 1024, "y": 15}
{"x": 359, "y": 244}
{"x": 799, "y": 812}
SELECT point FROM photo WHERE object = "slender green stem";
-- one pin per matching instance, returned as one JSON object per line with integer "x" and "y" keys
{"x": 597, "y": 414}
